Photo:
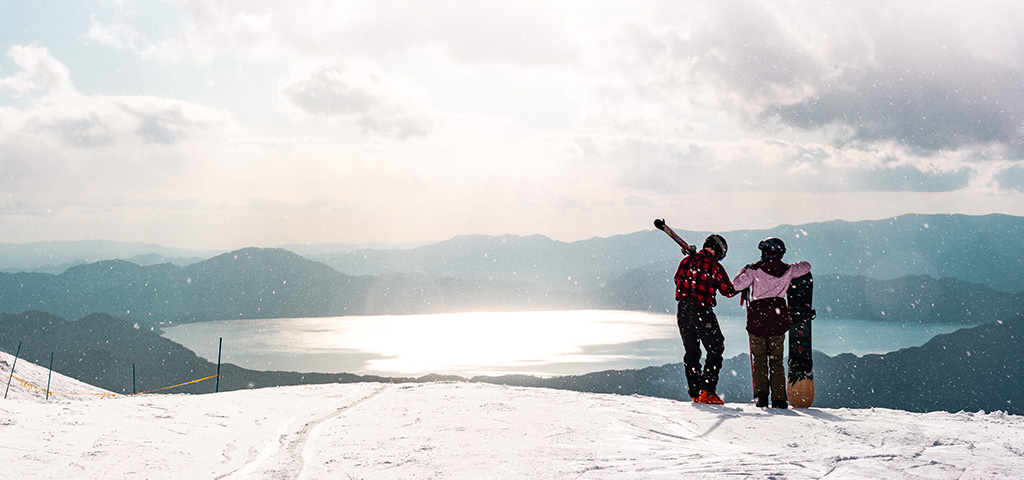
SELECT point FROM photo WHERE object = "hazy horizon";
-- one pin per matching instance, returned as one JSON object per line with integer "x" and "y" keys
{"x": 322, "y": 247}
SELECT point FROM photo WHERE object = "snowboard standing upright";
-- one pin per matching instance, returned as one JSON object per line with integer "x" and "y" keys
{"x": 800, "y": 382}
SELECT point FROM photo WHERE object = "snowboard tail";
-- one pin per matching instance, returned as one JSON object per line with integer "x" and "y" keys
{"x": 800, "y": 381}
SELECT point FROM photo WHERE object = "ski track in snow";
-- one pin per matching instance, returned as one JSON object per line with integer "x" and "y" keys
{"x": 283, "y": 455}
{"x": 471, "y": 431}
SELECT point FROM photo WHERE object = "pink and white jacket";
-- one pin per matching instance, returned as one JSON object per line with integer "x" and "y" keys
{"x": 768, "y": 280}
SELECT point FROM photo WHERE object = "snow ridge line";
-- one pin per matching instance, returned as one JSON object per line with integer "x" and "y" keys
{"x": 294, "y": 440}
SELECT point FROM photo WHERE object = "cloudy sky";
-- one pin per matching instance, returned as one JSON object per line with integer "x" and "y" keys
{"x": 258, "y": 123}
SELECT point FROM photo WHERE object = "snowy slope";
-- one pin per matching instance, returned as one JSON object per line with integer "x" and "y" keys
{"x": 29, "y": 383}
{"x": 472, "y": 431}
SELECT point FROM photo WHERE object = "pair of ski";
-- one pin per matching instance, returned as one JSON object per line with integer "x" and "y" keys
{"x": 800, "y": 382}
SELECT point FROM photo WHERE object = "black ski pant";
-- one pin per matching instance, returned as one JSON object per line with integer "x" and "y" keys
{"x": 698, "y": 326}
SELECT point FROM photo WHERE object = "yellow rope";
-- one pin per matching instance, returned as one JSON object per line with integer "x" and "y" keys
{"x": 178, "y": 385}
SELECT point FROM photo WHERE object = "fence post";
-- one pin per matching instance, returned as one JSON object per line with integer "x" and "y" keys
{"x": 220, "y": 345}
{"x": 49, "y": 376}
{"x": 16, "y": 353}
{"x": 133, "y": 379}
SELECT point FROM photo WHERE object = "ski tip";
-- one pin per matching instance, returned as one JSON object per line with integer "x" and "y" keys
{"x": 659, "y": 223}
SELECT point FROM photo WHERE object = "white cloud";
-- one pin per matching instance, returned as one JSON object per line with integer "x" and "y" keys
{"x": 929, "y": 75}
{"x": 85, "y": 122}
{"x": 900, "y": 71}
{"x": 39, "y": 72}
{"x": 362, "y": 93}
{"x": 119, "y": 36}
{"x": 64, "y": 148}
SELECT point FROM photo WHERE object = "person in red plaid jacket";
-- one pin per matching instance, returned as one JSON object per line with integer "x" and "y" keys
{"x": 699, "y": 277}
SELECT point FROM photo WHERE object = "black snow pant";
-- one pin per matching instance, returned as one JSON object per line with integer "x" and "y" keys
{"x": 698, "y": 325}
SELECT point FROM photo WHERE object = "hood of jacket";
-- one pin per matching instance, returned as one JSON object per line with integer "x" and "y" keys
{"x": 773, "y": 267}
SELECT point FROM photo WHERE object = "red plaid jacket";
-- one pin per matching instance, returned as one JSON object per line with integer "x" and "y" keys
{"x": 699, "y": 276}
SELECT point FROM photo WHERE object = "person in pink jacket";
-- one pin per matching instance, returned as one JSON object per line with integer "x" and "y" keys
{"x": 768, "y": 318}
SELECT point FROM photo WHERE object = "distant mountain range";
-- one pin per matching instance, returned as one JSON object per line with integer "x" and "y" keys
{"x": 970, "y": 369}
{"x": 978, "y": 249}
{"x": 57, "y": 256}
{"x": 257, "y": 283}
{"x": 251, "y": 283}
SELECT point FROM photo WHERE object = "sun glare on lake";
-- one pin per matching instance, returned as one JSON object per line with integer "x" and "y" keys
{"x": 486, "y": 342}
{"x": 542, "y": 343}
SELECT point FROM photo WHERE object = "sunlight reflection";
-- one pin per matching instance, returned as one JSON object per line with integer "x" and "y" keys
{"x": 451, "y": 342}
{"x": 543, "y": 343}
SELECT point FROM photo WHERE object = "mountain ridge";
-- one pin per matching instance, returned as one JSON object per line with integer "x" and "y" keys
{"x": 256, "y": 283}
{"x": 973, "y": 248}
{"x": 978, "y": 249}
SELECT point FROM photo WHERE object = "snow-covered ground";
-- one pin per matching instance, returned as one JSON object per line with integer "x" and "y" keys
{"x": 474, "y": 431}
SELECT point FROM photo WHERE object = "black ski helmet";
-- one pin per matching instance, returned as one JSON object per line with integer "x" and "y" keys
{"x": 772, "y": 246}
{"x": 716, "y": 243}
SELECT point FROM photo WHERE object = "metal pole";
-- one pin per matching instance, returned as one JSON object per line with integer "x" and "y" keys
{"x": 133, "y": 379}
{"x": 49, "y": 376}
{"x": 220, "y": 346}
{"x": 16, "y": 353}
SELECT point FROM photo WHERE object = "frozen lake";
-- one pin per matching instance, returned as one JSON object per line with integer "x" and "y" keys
{"x": 467, "y": 344}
